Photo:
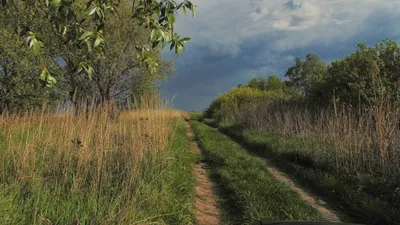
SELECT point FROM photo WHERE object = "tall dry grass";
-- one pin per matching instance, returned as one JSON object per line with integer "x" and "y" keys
{"x": 356, "y": 140}
{"x": 92, "y": 162}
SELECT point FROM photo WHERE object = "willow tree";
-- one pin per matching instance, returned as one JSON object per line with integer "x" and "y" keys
{"x": 20, "y": 86}
{"x": 81, "y": 24}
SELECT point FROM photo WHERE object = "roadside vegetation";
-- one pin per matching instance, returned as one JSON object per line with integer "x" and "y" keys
{"x": 361, "y": 197}
{"x": 84, "y": 136}
{"x": 335, "y": 127}
{"x": 247, "y": 191}
{"x": 62, "y": 169}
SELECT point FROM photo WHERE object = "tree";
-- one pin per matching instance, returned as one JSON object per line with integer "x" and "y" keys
{"x": 274, "y": 83}
{"x": 118, "y": 74}
{"x": 257, "y": 83}
{"x": 366, "y": 76}
{"x": 81, "y": 24}
{"x": 19, "y": 87}
{"x": 115, "y": 72}
{"x": 355, "y": 79}
{"x": 295, "y": 75}
{"x": 304, "y": 75}
{"x": 389, "y": 67}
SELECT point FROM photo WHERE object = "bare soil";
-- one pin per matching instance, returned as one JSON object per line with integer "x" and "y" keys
{"x": 323, "y": 207}
{"x": 206, "y": 208}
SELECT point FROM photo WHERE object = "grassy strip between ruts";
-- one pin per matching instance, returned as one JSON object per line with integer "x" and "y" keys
{"x": 291, "y": 155}
{"x": 247, "y": 191}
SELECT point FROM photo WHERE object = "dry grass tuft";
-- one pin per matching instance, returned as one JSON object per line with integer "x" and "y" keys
{"x": 365, "y": 140}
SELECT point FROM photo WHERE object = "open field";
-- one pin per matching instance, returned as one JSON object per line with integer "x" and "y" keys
{"x": 61, "y": 169}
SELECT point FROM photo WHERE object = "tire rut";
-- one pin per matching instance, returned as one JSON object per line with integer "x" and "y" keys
{"x": 323, "y": 207}
{"x": 206, "y": 210}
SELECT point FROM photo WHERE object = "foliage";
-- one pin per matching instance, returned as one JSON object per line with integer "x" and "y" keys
{"x": 258, "y": 91}
{"x": 368, "y": 77}
{"x": 273, "y": 83}
{"x": 111, "y": 71}
{"x": 81, "y": 24}
{"x": 305, "y": 75}
{"x": 363, "y": 77}
{"x": 118, "y": 75}
{"x": 20, "y": 86}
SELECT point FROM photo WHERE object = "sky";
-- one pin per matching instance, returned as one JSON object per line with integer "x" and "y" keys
{"x": 236, "y": 40}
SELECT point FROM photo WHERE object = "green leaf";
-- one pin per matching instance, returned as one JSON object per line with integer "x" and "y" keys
{"x": 90, "y": 72}
{"x": 89, "y": 46}
{"x": 44, "y": 74}
{"x": 183, "y": 40}
{"x": 51, "y": 81}
{"x": 171, "y": 18}
{"x": 193, "y": 11}
{"x": 162, "y": 33}
{"x": 188, "y": 4}
{"x": 155, "y": 44}
{"x": 36, "y": 46}
{"x": 97, "y": 42}
{"x": 31, "y": 42}
{"x": 179, "y": 48}
{"x": 88, "y": 69}
{"x": 180, "y": 5}
{"x": 153, "y": 34}
{"x": 64, "y": 31}
{"x": 184, "y": 10}
{"x": 46, "y": 77}
{"x": 172, "y": 46}
{"x": 172, "y": 5}
{"x": 85, "y": 35}
{"x": 55, "y": 3}
{"x": 93, "y": 11}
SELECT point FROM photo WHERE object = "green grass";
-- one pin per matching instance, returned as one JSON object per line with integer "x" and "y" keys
{"x": 364, "y": 198}
{"x": 177, "y": 182}
{"x": 247, "y": 191}
{"x": 164, "y": 193}
{"x": 211, "y": 122}
{"x": 196, "y": 115}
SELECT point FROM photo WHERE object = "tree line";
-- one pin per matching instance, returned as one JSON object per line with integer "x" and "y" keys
{"x": 366, "y": 78}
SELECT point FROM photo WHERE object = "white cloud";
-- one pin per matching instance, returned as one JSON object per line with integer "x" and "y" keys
{"x": 226, "y": 24}
{"x": 296, "y": 15}
{"x": 259, "y": 13}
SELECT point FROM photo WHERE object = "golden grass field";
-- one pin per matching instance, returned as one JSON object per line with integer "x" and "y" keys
{"x": 92, "y": 160}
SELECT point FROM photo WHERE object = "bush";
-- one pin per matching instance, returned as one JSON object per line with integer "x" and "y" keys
{"x": 228, "y": 105}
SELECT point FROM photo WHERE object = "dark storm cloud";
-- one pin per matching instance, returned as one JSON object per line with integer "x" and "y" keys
{"x": 196, "y": 85}
{"x": 225, "y": 54}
